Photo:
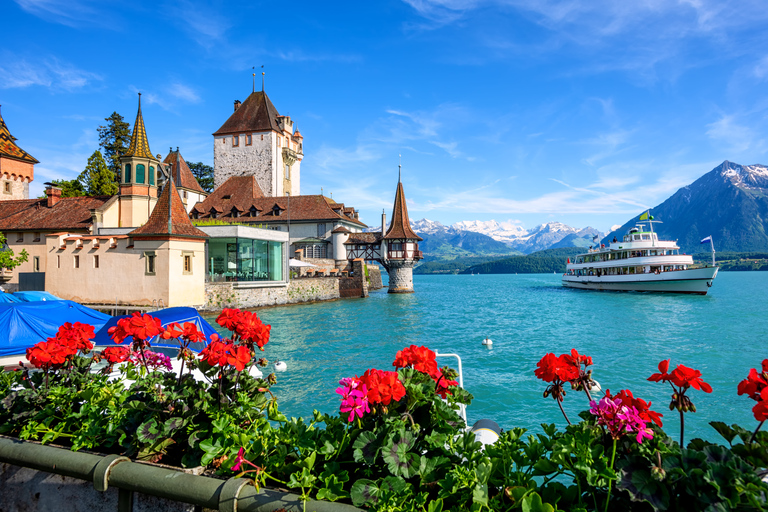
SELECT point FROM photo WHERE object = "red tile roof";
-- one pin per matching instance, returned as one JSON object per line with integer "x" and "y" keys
{"x": 181, "y": 172}
{"x": 243, "y": 192}
{"x": 370, "y": 237}
{"x": 8, "y": 147}
{"x": 255, "y": 114}
{"x": 70, "y": 213}
{"x": 169, "y": 218}
{"x": 400, "y": 228}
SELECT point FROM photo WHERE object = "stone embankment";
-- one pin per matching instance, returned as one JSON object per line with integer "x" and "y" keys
{"x": 321, "y": 284}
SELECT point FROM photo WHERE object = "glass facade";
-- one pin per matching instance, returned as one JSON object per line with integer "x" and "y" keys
{"x": 244, "y": 259}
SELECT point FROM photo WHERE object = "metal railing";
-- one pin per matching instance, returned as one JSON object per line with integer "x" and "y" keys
{"x": 235, "y": 494}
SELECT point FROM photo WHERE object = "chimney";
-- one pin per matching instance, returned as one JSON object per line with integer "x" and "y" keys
{"x": 237, "y": 105}
{"x": 54, "y": 195}
{"x": 383, "y": 222}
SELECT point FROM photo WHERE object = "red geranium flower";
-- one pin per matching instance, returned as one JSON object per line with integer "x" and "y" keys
{"x": 116, "y": 354}
{"x": 684, "y": 377}
{"x": 419, "y": 358}
{"x": 77, "y": 336}
{"x": 144, "y": 327}
{"x": 251, "y": 329}
{"x": 47, "y": 353}
{"x": 643, "y": 407}
{"x": 229, "y": 318}
{"x": 443, "y": 383}
{"x": 215, "y": 354}
{"x": 755, "y": 382}
{"x": 383, "y": 387}
{"x": 192, "y": 334}
{"x": 551, "y": 368}
{"x": 238, "y": 356}
{"x": 120, "y": 331}
{"x": 172, "y": 330}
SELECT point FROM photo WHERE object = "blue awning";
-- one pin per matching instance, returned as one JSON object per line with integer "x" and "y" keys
{"x": 24, "y": 324}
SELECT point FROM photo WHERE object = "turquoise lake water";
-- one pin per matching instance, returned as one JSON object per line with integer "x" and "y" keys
{"x": 723, "y": 334}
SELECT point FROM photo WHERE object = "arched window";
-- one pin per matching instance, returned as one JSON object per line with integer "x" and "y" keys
{"x": 127, "y": 177}
{"x": 139, "y": 173}
{"x": 151, "y": 175}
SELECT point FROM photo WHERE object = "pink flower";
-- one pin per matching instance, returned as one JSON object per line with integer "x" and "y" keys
{"x": 620, "y": 419}
{"x": 239, "y": 459}
{"x": 356, "y": 403}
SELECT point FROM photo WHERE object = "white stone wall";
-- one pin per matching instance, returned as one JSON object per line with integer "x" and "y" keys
{"x": 19, "y": 188}
{"x": 257, "y": 160}
{"x": 227, "y": 295}
{"x": 190, "y": 198}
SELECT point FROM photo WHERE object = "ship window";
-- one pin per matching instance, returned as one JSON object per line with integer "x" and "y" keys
{"x": 646, "y": 237}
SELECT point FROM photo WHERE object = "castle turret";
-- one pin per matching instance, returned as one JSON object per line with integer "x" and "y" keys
{"x": 17, "y": 167}
{"x": 138, "y": 177}
{"x": 400, "y": 247}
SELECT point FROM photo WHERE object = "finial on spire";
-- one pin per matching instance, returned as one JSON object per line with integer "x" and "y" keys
{"x": 399, "y": 168}
{"x": 254, "y": 80}
{"x": 139, "y": 101}
{"x": 321, "y": 190}
{"x": 262, "y": 78}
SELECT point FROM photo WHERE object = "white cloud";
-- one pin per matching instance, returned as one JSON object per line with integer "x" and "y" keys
{"x": 729, "y": 132}
{"x": 184, "y": 93}
{"x": 72, "y": 13}
{"x": 49, "y": 72}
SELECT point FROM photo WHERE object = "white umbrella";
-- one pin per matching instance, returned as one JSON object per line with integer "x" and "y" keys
{"x": 298, "y": 263}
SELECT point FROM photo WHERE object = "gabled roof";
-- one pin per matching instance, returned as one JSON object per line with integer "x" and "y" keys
{"x": 240, "y": 191}
{"x": 69, "y": 213}
{"x": 182, "y": 174}
{"x": 400, "y": 228}
{"x": 366, "y": 237}
{"x": 256, "y": 113}
{"x": 8, "y": 147}
{"x": 244, "y": 193}
{"x": 169, "y": 218}
{"x": 139, "y": 145}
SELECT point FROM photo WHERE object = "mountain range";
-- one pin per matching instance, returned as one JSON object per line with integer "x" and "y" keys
{"x": 485, "y": 238}
{"x": 730, "y": 203}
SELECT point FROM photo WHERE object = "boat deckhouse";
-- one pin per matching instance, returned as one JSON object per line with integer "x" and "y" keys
{"x": 17, "y": 167}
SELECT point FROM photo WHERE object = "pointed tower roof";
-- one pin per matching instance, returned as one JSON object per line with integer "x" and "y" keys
{"x": 169, "y": 218}
{"x": 400, "y": 228}
{"x": 8, "y": 147}
{"x": 256, "y": 113}
{"x": 139, "y": 145}
{"x": 181, "y": 172}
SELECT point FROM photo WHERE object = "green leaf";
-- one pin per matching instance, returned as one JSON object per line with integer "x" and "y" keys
{"x": 545, "y": 467}
{"x": 533, "y": 503}
{"x": 724, "y": 430}
{"x": 149, "y": 431}
{"x": 435, "y": 505}
{"x": 365, "y": 447}
{"x": 172, "y": 424}
{"x": 364, "y": 492}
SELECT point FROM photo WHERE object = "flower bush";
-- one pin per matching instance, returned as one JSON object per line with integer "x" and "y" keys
{"x": 397, "y": 441}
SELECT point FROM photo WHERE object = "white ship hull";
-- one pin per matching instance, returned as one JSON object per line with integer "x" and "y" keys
{"x": 697, "y": 281}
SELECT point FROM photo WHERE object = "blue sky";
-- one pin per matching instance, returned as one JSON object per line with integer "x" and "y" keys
{"x": 583, "y": 112}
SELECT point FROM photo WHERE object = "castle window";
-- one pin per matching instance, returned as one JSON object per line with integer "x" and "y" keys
{"x": 253, "y": 212}
{"x": 58, "y": 261}
{"x": 248, "y": 140}
{"x": 195, "y": 215}
{"x": 321, "y": 229}
{"x": 279, "y": 141}
{"x": 151, "y": 175}
{"x": 287, "y": 171}
{"x": 139, "y": 173}
{"x": 149, "y": 268}
{"x": 7, "y": 187}
{"x": 36, "y": 237}
{"x": 20, "y": 238}
{"x": 127, "y": 173}
{"x": 77, "y": 261}
{"x": 262, "y": 136}
{"x": 95, "y": 261}
{"x": 36, "y": 264}
{"x": 187, "y": 262}
{"x": 235, "y": 140}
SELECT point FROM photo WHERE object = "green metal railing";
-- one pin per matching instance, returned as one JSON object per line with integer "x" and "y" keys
{"x": 235, "y": 494}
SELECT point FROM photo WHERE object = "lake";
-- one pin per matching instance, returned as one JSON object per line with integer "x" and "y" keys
{"x": 722, "y": 334}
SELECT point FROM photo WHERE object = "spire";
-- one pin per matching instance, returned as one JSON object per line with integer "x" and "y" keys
{"x": 169, "y": 218}
{"x": 8, "y": 147}
{"x": 399, "y": 168}
{"x": 400, "y": 227}
{"x": 139, "y": 145}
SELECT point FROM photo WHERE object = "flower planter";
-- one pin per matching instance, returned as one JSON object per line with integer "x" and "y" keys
{"x": 34, "y": 477}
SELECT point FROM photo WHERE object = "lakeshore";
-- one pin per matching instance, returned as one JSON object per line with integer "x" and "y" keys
{"x": 526, "y": 316}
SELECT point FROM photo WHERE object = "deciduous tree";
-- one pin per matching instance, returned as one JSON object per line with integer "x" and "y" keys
{"x": 203, "y": 174}
{"x": 7, "y": 257}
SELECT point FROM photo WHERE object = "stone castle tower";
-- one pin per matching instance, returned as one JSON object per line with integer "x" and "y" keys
{"x": 400, "y": 246}
{"x": 257, "y": 141}
{"x": 17, "y": 167}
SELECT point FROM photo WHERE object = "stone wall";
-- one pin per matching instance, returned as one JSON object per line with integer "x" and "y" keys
{"x": 224, "y": 295}
{"x": 242, "y": 160}
{"x": 19, "y": 188}
{"x": 400, "y": 276}
{"x": 374, "y": 278}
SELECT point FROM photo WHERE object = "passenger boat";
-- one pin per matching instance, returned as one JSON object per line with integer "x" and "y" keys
{"x": 640, "y": 262}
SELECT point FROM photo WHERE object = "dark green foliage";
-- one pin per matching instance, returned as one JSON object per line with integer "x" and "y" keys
{"x": 203, "y": 174}
{"x": 96, "y": 179}
{"x": 70, "y": 188}
{"x": 114, "y": 139}
{"x": 7, "y": 257}
{"x": 547, "y": 261}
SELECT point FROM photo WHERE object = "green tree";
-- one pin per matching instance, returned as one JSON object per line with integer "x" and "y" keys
{"x": 7, "y": 257}
{"x": 69, "y": 188}
{"x": 203, "y": 174}
{"x": 114, "y": 139}
{"x": 97, "y": 179}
